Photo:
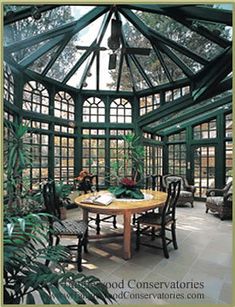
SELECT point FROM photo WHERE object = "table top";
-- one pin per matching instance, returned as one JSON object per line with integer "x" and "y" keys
{"x": 119, "y": 207}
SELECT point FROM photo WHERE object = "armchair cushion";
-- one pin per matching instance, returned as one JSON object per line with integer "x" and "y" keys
{"x": 187, "y": 191}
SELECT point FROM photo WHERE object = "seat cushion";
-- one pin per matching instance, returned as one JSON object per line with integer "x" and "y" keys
{"x": 186, "y": 194}
{"x": 215, "y": 200}
{"x": 152, "y": 218}
{"x": 70, "y": 227}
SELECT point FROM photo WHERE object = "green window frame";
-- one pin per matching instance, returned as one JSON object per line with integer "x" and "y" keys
{"x": 93, "y": 156}
{"x": 39, "y": 146}
{"x": 205, "y": 130}
{"x": 120, "y": 111}
{"x": 64, "y": 158}
{"x": 64, "y": 106}
{"x": 93, "y": 110}
{"x": 35, "y": 97}
{"x": 177, "y": 159}
{"x": 149, "y": 103}
{"x": 8, "y": 84}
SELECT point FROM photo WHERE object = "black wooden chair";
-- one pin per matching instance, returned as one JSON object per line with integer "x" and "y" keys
{"x": 86, "y": 186}
{"x": 156, "y": 224}
{"x": 154, "y": 183}
{"x": 60, "y": 228}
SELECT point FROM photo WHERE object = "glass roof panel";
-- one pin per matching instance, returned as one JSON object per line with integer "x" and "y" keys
{"x": 133, "y": 36}
{"x": 66, "y": 60}
{"x": 90, "y": 80}
{"x": 108, "y": 78}
{"x": 140, "y": 83}
{"x": 173, "y": 69}
{"x": 25, "y": 52}
{"x": 14, "y": 8}
{"x": 193, "y": 65}
{"x": 74, "y": 81}
{"x": 71, "y": 53}
{"x": 180, "y": 34}
{"x": 126, "y": 81}
{"x": 153, "y": 68}
{"x": 39, "y": 65}
{"x": 30, "y": 27}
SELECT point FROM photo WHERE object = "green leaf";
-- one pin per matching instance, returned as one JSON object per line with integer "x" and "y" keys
{"x": 46, "y": 299}
{"x": 74, "y": 295}
{"x": 30, "y": 299}
{"x": 59, "y": 296}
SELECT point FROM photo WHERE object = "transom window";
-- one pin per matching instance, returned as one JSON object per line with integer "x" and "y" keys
{"x": 120, "y": 111}
{"x": 205, "y": 130}
{"x": 93, "y": 110}
{"x": 35, "y": 98}
{"x": 149, "y": 103}
{"x": 64, "y": 106}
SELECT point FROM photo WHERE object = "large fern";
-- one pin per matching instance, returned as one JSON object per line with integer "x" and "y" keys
{"x": 25, "y": 272}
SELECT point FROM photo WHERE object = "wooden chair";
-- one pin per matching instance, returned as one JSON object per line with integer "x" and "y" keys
{"x": 156, "y": 224}
{"x": 152, "y": 182}
{"x": 86, "y": 186}
{"x": 60, "y": 228}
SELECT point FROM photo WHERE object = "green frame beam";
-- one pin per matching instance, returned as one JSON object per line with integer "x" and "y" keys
{"x": 197, "y": 120}
{"x": 208, "y": 78}
{"x": 196, "y": 112}
{"x": 27, "y": 12}
{"x": 188, "y": 11}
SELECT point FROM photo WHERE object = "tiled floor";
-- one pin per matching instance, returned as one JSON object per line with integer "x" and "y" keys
{"x": 199, "y": 272}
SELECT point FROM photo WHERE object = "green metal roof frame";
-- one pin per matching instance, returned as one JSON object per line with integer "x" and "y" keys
{"x": 184, "y": 14}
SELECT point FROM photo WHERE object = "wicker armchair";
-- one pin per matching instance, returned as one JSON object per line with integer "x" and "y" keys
{"x": 220, "y": 201}
{"x": 187, "y": 191}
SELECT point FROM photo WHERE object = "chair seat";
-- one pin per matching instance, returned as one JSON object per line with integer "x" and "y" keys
{"x": 215, "y": 200}
{"x": 186, "y": 194}
{"x": 70, "y": 227}
{"x": 153, "y": 218}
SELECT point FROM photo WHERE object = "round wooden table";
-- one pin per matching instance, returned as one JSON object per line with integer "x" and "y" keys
{"x": 125, "y": 208}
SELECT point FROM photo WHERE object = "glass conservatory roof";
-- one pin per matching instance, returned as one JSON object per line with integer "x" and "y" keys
{"x": 116, "y": 47}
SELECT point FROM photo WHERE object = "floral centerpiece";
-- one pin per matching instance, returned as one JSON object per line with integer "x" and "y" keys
{"x": 127, "y": 188}
{"x": 133, "y": 153}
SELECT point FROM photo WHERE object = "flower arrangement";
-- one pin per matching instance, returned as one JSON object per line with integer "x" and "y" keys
{"x": 82, "y": 175}
{"x": 127, "y": 188}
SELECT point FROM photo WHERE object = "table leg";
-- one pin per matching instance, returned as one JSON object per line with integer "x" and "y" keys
{"x": 85, "y": 216}
{"x": 127, "y": 236}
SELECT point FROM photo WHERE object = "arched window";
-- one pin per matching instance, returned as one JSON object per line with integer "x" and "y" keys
{"x": 35, "y": 97}
{"x": 64, "y": 106}
{"x": 120, "y": 111}
{"x": 93, "y": 110}
{"x": 8, "y": 84}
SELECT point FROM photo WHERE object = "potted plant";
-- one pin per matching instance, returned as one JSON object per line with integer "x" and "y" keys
{"x": 128, "y": 187}
{"x": 26, "y": 236}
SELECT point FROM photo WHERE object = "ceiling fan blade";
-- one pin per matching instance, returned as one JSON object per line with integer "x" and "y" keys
{"x": 112, "y": 61}
{"x": 140, "y": 51}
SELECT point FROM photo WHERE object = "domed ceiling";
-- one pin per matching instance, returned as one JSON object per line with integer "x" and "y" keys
{"x": 129, "y": 48}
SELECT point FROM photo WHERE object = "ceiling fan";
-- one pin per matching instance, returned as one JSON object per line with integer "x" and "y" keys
{"x": 114, "y": 42}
